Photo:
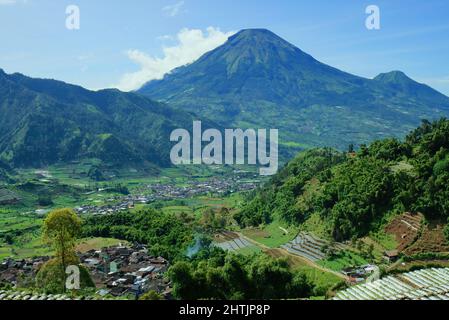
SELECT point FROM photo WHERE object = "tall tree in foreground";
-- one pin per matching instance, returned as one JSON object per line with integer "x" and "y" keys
{"x": 60, "y": 230}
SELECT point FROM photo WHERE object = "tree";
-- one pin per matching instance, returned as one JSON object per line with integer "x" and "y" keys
{"x": 151, "y": 295}
{"x": 9, "y": 239}
{"x": 51, "y": 278}
{"x": 60, "y": 230}
{"x": 351, "y": 148}
{"x": 215, "y": 274}
{"x": 446, "y": 232}
{"x": 44, "y": 199}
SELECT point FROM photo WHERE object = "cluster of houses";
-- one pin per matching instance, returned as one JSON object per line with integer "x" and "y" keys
{"x": 116, "y": 271}
{"x": 124, "y": 270}
{"x": 160, "y": 191}
{"x": 215, "y": 186}
{"x": 115, "y": 204}
{"x": 19, "y": 273}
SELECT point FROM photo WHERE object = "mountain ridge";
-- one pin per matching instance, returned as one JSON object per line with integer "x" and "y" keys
{"x": 46, "y": 121}
{"x": 258, "y": 79}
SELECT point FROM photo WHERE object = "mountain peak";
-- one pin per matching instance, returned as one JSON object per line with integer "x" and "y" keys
{"x": 403, "y": 84}
{"x": 255, "y": 32}
{"x": 259, "y": 37}
{"x": 253, "y": 51}
{"x": 393, "y": 76}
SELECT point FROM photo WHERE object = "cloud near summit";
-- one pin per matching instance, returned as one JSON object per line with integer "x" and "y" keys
{"x": 191, "y": 45}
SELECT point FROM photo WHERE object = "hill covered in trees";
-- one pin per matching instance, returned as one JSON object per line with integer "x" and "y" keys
{"x": 216, "y": 274}
{"x": 353, "y": 193}
{"x": 165, "y": 234}
{"x": 43, "y": 122}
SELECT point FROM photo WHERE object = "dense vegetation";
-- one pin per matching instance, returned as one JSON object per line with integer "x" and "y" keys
{"x": 165, "y": 234}
{"x": 355, "y": 192}
{"x": 215, "y": 274}
{"x": 45, "y": 122}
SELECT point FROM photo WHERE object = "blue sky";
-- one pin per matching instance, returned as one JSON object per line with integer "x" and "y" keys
{"x": 120, "y": 43}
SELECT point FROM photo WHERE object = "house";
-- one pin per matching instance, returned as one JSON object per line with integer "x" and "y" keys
{"x": 114, "y": 270}
{"x": 391, "y": 256}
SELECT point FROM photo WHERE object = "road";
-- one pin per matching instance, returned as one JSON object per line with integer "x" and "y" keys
{"x": 288, "y": 254}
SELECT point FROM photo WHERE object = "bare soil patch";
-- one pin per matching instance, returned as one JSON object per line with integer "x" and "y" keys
{"x": 225, "y": 236}
{"x": 431, "y": 240}
{"x": 405, "y": 228}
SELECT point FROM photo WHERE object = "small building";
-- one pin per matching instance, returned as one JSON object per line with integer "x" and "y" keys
{"x": 391, "y": 255}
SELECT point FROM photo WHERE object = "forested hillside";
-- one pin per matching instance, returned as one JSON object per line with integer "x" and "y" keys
{"x": 44, "y": 122}
{"x": 353, "y": 193}
{"x": 257, "y": 79}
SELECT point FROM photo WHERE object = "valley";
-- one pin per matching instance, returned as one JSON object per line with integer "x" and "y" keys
{"x": 360, "y": 200}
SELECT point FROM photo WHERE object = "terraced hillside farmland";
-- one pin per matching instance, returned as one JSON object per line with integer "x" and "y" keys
{"x": 432, "y": 240}
{"x": 8, "y": 197}
{"x": 428, "y": 284}
{"x": 405, "y": 228}
{"x": 309, "y": 247}
{"x": 231, "y": 241}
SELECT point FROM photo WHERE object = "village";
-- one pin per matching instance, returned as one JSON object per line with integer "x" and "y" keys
{"x": 214, "y": 186}
{"x": 161, "y": 192}
{"x": 116, "y": 271}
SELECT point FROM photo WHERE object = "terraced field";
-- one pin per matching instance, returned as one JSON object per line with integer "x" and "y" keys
{"x": 308, "y": 246}
{"x": 405, "y": 228}
{"x": 231, "y": 241}
{"x": 427, "y": 284}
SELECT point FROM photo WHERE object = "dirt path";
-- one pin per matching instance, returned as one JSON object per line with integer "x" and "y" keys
{"x": 279, "y": 252}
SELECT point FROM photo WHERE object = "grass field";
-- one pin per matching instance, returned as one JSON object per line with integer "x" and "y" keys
{"x": 343, "y": 260}
{"x": 323, "y": 280}
{"x": 272, "y": 235}
{"x": 33, "y": 248}
{"x": 249, "y": 250}
{"x": 36, "y": 248}
{"x": 198, "y": 205}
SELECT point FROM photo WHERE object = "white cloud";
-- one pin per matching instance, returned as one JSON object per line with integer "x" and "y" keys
{"x": 192, "y": 44}
{"x": 173, "y": 10}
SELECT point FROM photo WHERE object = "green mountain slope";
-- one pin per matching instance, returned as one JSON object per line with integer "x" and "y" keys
{"x": 353, "y": 194}
{"x": 45, "y": 121}
{"x": 258, "y": 79}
